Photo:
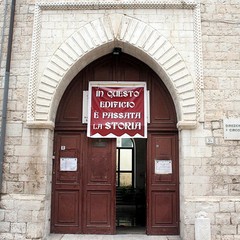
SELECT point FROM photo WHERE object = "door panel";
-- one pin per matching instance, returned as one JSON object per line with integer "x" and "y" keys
{"x": 162, "y": 189}
{"x": 164, "y": 205}
{"x": 98, "y": 209}
{"x": 99, "y": 200}
{"x": 67, "y": 187}
{"x": 83, "y": 199}
{"x": 66, "y": 207}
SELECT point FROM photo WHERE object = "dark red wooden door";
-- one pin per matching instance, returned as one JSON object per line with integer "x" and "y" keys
{"x": 83, "y": 199}
{"x": 99, "y": 186}
{"x": 162, "y": 184}
{"x": 67, "y": 190}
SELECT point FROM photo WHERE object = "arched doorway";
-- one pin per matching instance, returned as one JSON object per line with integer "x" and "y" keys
{"x": 84, "y": 169}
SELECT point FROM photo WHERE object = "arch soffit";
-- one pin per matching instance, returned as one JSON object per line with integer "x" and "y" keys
{"x": 98, "y": 38}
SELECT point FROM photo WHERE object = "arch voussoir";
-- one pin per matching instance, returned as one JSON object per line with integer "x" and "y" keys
{"x": 117, "y": 29}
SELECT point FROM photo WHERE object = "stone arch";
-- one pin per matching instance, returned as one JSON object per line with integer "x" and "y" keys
{"x": 98, "y": 38}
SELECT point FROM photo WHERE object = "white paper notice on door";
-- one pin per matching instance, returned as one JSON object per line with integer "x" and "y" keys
{"x": 163, "y": 166}
{"x": 68, "y": 164}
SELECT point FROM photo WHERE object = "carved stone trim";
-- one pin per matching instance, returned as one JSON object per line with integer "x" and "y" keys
{"x": 32, "y": 88}
{"x": 130, "y": 4}
{"x": 41, "y": 124}
{"x": 198, "y": 59}
{"x": 183, "y": 125}
{"x": 40, "y": 100}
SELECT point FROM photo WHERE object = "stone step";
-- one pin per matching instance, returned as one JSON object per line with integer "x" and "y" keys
{"x": 110, "y": 237}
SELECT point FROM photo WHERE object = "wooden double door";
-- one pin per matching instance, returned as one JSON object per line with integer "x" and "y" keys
{"x": 84, "y": 185}
{"x": 84, "y": 169}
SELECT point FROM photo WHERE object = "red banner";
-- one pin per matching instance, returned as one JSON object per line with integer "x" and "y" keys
{"x": 117, "y": 110}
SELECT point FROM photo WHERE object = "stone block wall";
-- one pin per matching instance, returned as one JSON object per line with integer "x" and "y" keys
{"x": 213, "y": 181}
{"x": 26, "y": 189}
{"x": 209, "y": 165}
{"x": 223, "y": 213}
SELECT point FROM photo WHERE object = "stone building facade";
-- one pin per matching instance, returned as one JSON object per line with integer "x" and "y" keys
{"x": 193, "y": 46}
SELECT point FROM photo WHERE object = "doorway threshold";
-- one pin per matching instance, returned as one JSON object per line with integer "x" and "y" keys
{"x": 131, "y": 230}
{"x": 109, "y": 237}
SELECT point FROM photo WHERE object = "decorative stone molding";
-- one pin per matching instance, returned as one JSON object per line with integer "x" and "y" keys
{"x": 41, "y": 124}
{"x": 198, "y": 59}
{"x": 32, "y": 88}
{"x": 130, "y": 4}
{"x": 183, "y": 125}
{"x": 113, "y": 30}
{"x": 218, "y": 199}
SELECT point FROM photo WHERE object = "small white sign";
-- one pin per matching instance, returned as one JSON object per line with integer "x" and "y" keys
{"x": 231, "y": 129}
{"x": 163, "y": 166}
{"x": 68, "y": 164}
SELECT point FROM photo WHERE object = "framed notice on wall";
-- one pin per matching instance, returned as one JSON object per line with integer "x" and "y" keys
{"x": 231, "y": 129}
{"x": 117, "y": 109}
{"x": 163, "y": 166}
{"x": 68, "y": 164}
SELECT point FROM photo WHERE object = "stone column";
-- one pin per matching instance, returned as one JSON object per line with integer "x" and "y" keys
{"x": 202, "y": 226}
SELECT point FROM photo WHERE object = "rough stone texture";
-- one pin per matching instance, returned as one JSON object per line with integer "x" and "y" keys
{"x": 209, "y": 171}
